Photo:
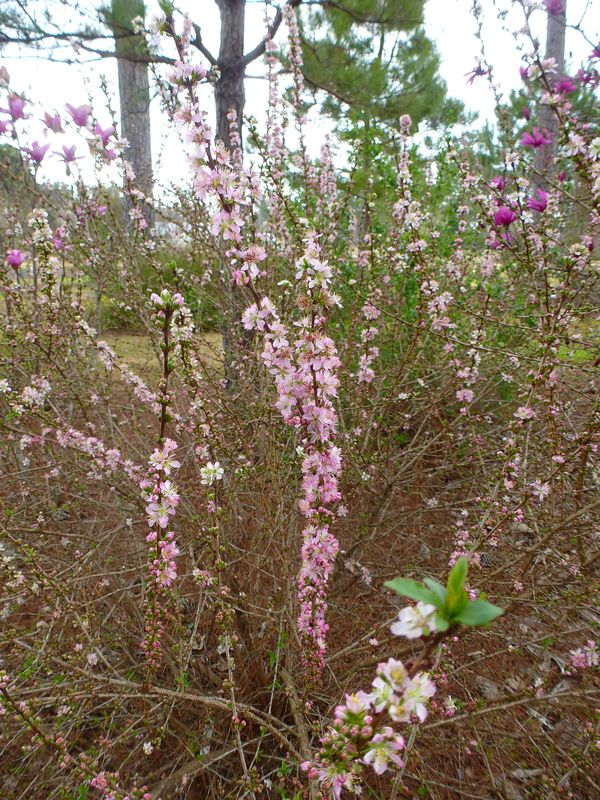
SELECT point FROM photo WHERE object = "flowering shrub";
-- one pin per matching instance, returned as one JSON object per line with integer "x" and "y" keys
{"x": 401, "y": 693}
{"x": 200, "y": 530}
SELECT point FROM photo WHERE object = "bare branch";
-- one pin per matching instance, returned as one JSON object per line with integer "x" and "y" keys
{"x": 271, "y": 31}
{"x": 198, "y": 44}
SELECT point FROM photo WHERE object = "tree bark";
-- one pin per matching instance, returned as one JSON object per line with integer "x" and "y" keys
{"x": 134, "y": 97}
{"x": 229, "y": 89}
{"x": 230, "y": 95}
{"x": 555, "y": 48}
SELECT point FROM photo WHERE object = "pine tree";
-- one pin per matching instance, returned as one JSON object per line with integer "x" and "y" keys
{"x": 374, "y": 62}
{"x": 134, "y": 90}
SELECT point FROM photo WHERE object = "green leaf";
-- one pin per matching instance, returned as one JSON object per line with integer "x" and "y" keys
{"x": 439, "y": 590}
{"x": 458, "y": 576}
{"x": 456, "y": 604}
{"x": 441, "y": 623}
{"x": 457, "y": 596}
{"x": 406, "y": 587}
{"x": 478, "y": 612}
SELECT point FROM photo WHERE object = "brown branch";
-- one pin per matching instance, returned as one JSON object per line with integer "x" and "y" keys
{"x": 271, "y": 31}
{"x": 199, "y": 45}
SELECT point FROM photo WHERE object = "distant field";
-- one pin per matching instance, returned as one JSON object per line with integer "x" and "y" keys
{"x": 136, "y": 349}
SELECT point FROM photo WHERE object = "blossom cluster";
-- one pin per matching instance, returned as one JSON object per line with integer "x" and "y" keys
{"x": 304, "y": 366}
{"x": 305, "y": 371}
{"x": 104, "y": 460}
{"x": 161, "y": 497}
{"x": 108, "y": 357}
{"x": 32, "y": 396}
{"x": 102, "y": 140}
{"x": 361, "y": 734}
{"x": 368, "y": 334}
{"x": 171, "y": 306}
{"x": 585, "y": 657}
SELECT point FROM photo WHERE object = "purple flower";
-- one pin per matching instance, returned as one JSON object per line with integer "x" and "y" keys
{"x": 103, "y": 133}
{"x": 535, "y": 139}
{"x": 14, "y": 258}
{"x": 16, "y": 107}
{"x": 523, "y": 73}
{"x": 584, "y": 77}
{"x": 53, "y": 122}
{"x": 504, "y": 216}
{"x": 498, "y": 183}
{"x": 554, "y": 7}
{"x": 477, "y": 72}
{"x": 595, "y": 52}
{"x": 68, "y": 153}
{"x": 58, "y": 239}
{"x": 37, "y": 151}
{"x": 526, "y": 113}
{"x": 4, "y": 125}
{"x": 565, "y": 86}
{"x": 79, "y": 115}
{"x": 540, "y": 203}
{"x": 562, "y": 176}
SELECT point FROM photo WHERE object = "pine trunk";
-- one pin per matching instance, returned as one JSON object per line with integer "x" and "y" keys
{"x": 229, "y": 95}
{"x": 134, "y": 96}
{"x": 229, "y": 90}
{"x": 555, "y": 48}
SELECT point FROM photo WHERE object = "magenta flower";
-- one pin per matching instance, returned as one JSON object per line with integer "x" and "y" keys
{"x": 595, "y": 52}
{"x": 585, "y": 77}
{"x": 68, "y": 153}
{"x": 103, "y": 133}
{"x": 562, "y": 176}
{"x": 523, "y": 73}
{"x": 478, "y": 72}
{"x": 526, "y": 113}
{"x": 14, "y": 258}
{"x": 79, "y": 115}
{"x": 536, "y": 138}
{"x": 504, "y": 216}
{"x": 53, "y": 122}
{"x": 16, "y": 107}
{"x": 4, "y": 125}
{"x": 37, "y": 151}
{"x": 565, "y": 86}
{"x": 553, "y": 7}
{"x": 540, "y": 203}
{"x": 58, "y": 239}
{"x": 498, "y": 183}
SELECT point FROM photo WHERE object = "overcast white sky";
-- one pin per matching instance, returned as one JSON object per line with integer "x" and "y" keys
{"x": 448, "y": 22}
